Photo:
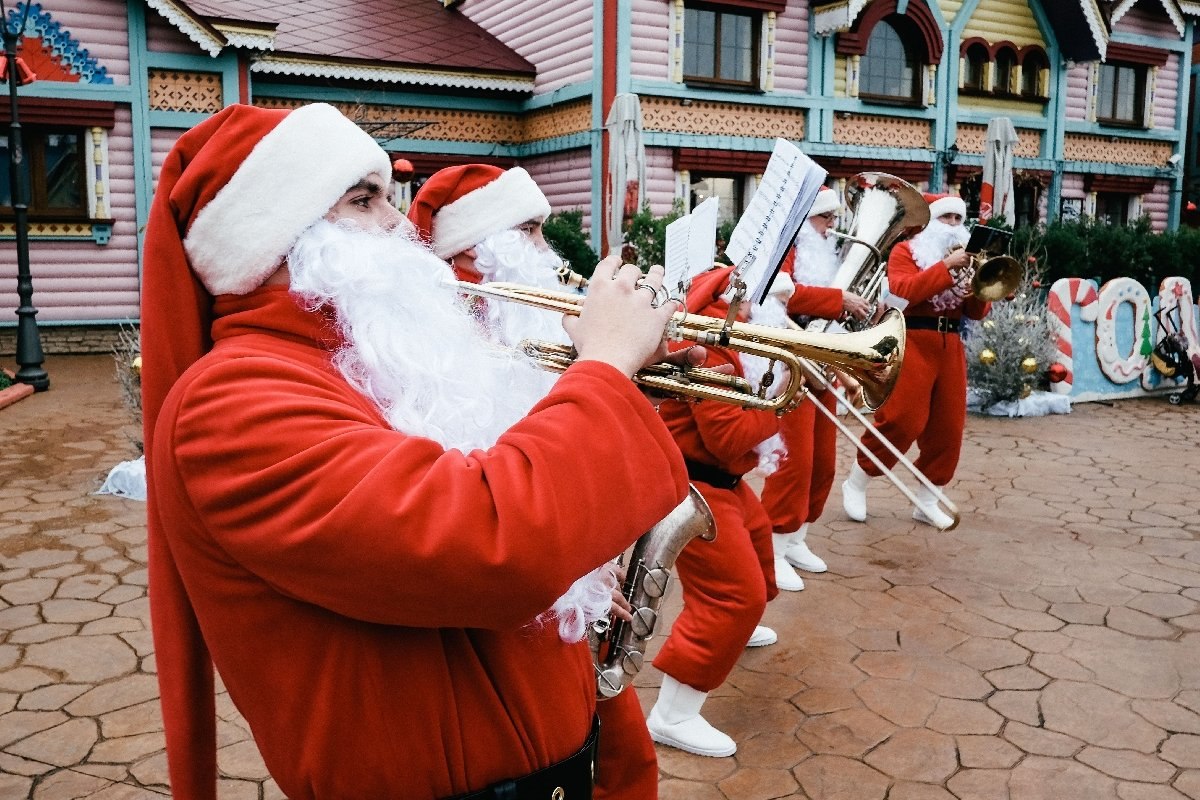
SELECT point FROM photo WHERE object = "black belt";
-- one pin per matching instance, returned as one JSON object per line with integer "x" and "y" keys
{"x": 707, "y": 473}
{"x": 569, "y": 779}
{"x": 940, "y": 324}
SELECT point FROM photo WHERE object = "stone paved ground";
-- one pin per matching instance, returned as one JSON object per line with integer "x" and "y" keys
{"x": 1048, "y": 648}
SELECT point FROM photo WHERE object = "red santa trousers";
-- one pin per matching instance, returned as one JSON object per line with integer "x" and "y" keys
{"x": 928, "y": 406}
{"x": 726, "y": 585}
{"x": 796, "y": 491}
{"x": 626, "y": 764}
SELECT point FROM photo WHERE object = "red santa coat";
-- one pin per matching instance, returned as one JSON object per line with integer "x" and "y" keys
{"x": 795, "y": 493}
{"x": 366, "y": 595}
{"x": 928, "y": 405}
{"x": 728, "y": 581}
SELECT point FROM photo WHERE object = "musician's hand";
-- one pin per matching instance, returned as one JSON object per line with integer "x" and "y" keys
{"x": 619, "y": 323}
{"x": 693, "y": 356}
{"x": 854, "y": 305}
{"x": 956, "y": 261}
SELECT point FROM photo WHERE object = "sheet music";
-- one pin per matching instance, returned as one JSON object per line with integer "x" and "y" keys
{"x": 779, "y": 207}
{"x": 691, "y": 246}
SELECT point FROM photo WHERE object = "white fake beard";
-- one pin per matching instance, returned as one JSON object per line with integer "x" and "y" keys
{"x": 412, "y": 347}
{"x": 816, "y": 257}
{"x": 772, "y": 313}
{"x": 512, "y": 257}
{"x": 931, "y": 246}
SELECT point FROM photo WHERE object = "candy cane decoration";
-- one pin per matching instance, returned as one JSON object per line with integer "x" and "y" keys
{"x": 1113, "y": 293}
{"x": 1065, "y": 293}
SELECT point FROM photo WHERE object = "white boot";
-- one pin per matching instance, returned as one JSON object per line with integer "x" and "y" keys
{"x": 854, "y": 493}
{"x": 800, "y": 557}
{"x": 762, "y": 637}
{"x": 927, "y": 510}
{"x": 675, "y": 720}
{"x": 785, "y": 577}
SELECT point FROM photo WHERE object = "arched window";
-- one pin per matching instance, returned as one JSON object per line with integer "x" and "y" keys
{"x": 975, "y": 59}
{"x": 1006, "y": 67}
{"x": 889, "y": 69}
{"x": 1032, "y": 67}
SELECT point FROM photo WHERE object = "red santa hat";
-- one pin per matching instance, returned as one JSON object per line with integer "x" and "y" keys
{"x": 945, "y": 204}
{"x": 233, "y": 195}
{"x": 459, "y": 207}
{"x": 827, "y": 200}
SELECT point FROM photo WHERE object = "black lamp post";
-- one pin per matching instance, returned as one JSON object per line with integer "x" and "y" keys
{"x": 29, "y": 345}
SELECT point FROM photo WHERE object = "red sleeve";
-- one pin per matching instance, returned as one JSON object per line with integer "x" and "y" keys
{"x": 907, "y": 280}
{"x": 974, "y": 308}
{"x": 331, "y": 507}
{"x": 816, "y": 301}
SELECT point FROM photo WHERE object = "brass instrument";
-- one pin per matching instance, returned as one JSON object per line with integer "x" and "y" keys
{"x": 817, "y": 377}
{"x": 993, "y": 277}
{"x": 618, "y": 647}
{"x": 872, "y": 356}
{"x": 885, "y": 209}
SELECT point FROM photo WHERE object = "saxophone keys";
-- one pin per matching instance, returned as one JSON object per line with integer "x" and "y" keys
{"x": 644, "y": 620}
{"x": 656, "y": 582}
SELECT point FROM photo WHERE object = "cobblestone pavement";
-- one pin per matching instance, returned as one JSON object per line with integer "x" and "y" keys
{"x": 1048, "y": 648}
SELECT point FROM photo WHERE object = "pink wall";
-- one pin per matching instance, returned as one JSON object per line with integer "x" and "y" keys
{"x": 75, "y": 281}
{"x": 651, "y": 37}
{"x": 1140, "y": 20}
{"x": 1077, "y": 98}
{"x": 101, "y": 27}
{"x": 565, "y": 179}
{"x": 791, "y": 49}
{"x": 546, "y": 34}
{"x": 1166, "y": 93}
{"x": 660, "y": 179}
{"x": 163, "y": 37}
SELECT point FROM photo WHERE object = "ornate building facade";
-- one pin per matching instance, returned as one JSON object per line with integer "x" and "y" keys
{"x": 1097, "y": 92}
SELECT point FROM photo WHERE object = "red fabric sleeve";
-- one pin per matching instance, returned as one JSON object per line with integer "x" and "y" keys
{"x": 907, "y": 280}
{"x": 816, "y": 301}
{"x": 331, "y": 507}
{"x": 974, "y": 308}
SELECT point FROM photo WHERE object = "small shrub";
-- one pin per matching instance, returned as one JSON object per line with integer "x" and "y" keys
{"x": 564, "y": 232}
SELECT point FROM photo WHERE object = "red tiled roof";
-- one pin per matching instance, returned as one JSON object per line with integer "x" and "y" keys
{"x": 419, "y": 33}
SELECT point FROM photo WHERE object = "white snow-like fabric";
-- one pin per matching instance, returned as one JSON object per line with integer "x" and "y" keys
{"x": 948, "y": 205}
{"x": 1038, "y": 404}
{"x": 127, "y": 479}
{"x": 827, "y": 200}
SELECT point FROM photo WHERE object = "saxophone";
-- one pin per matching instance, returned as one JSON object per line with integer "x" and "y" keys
{"x": 618, "y": 646}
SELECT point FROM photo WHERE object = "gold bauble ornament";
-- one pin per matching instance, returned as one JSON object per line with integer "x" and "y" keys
{"x": 987, "y": 357}
{"x": 988, "y": 324}
{"x": 135, "y": 366}
{"x": 1026, "y": 390}
{"x": 1029, "y": 365}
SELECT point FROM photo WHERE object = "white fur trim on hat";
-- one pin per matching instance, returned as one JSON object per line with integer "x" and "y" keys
{"x": 950, "y": 204}
{"x": 291, "y": 179}
{"x": 505, "y": 203}
{"x": 827, "y": 200}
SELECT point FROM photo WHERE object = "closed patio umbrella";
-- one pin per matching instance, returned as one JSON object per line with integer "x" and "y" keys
{"x": 996, "y": 193}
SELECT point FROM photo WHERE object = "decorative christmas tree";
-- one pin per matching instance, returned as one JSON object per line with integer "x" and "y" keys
{"x": 1009, "y": 351}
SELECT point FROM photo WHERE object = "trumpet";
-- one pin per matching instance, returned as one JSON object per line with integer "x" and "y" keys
{"x": 872, "y": 356}
{"x": 817, "y": 377}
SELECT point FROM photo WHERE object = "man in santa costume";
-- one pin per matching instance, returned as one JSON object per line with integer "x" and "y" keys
{"x": 356, "y": 505}
{"x": 929, "y": 402}
{"x": 794, "y": 493}
{"x": 488, "y": 223}
{"x": 728, "y": 581}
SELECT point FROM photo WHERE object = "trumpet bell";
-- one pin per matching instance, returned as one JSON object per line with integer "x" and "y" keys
{"x": 996, "y": 278}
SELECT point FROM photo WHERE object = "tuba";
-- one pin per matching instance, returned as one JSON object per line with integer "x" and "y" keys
{"x": 618, "y": 647}
{"x": 885, "y": 209}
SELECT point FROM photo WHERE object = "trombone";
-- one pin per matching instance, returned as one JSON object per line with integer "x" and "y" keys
{"x": 872, "y": 356}
{"x": 815, "y": 375}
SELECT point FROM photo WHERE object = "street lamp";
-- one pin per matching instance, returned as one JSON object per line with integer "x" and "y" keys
{"x": 29, "y": 345}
